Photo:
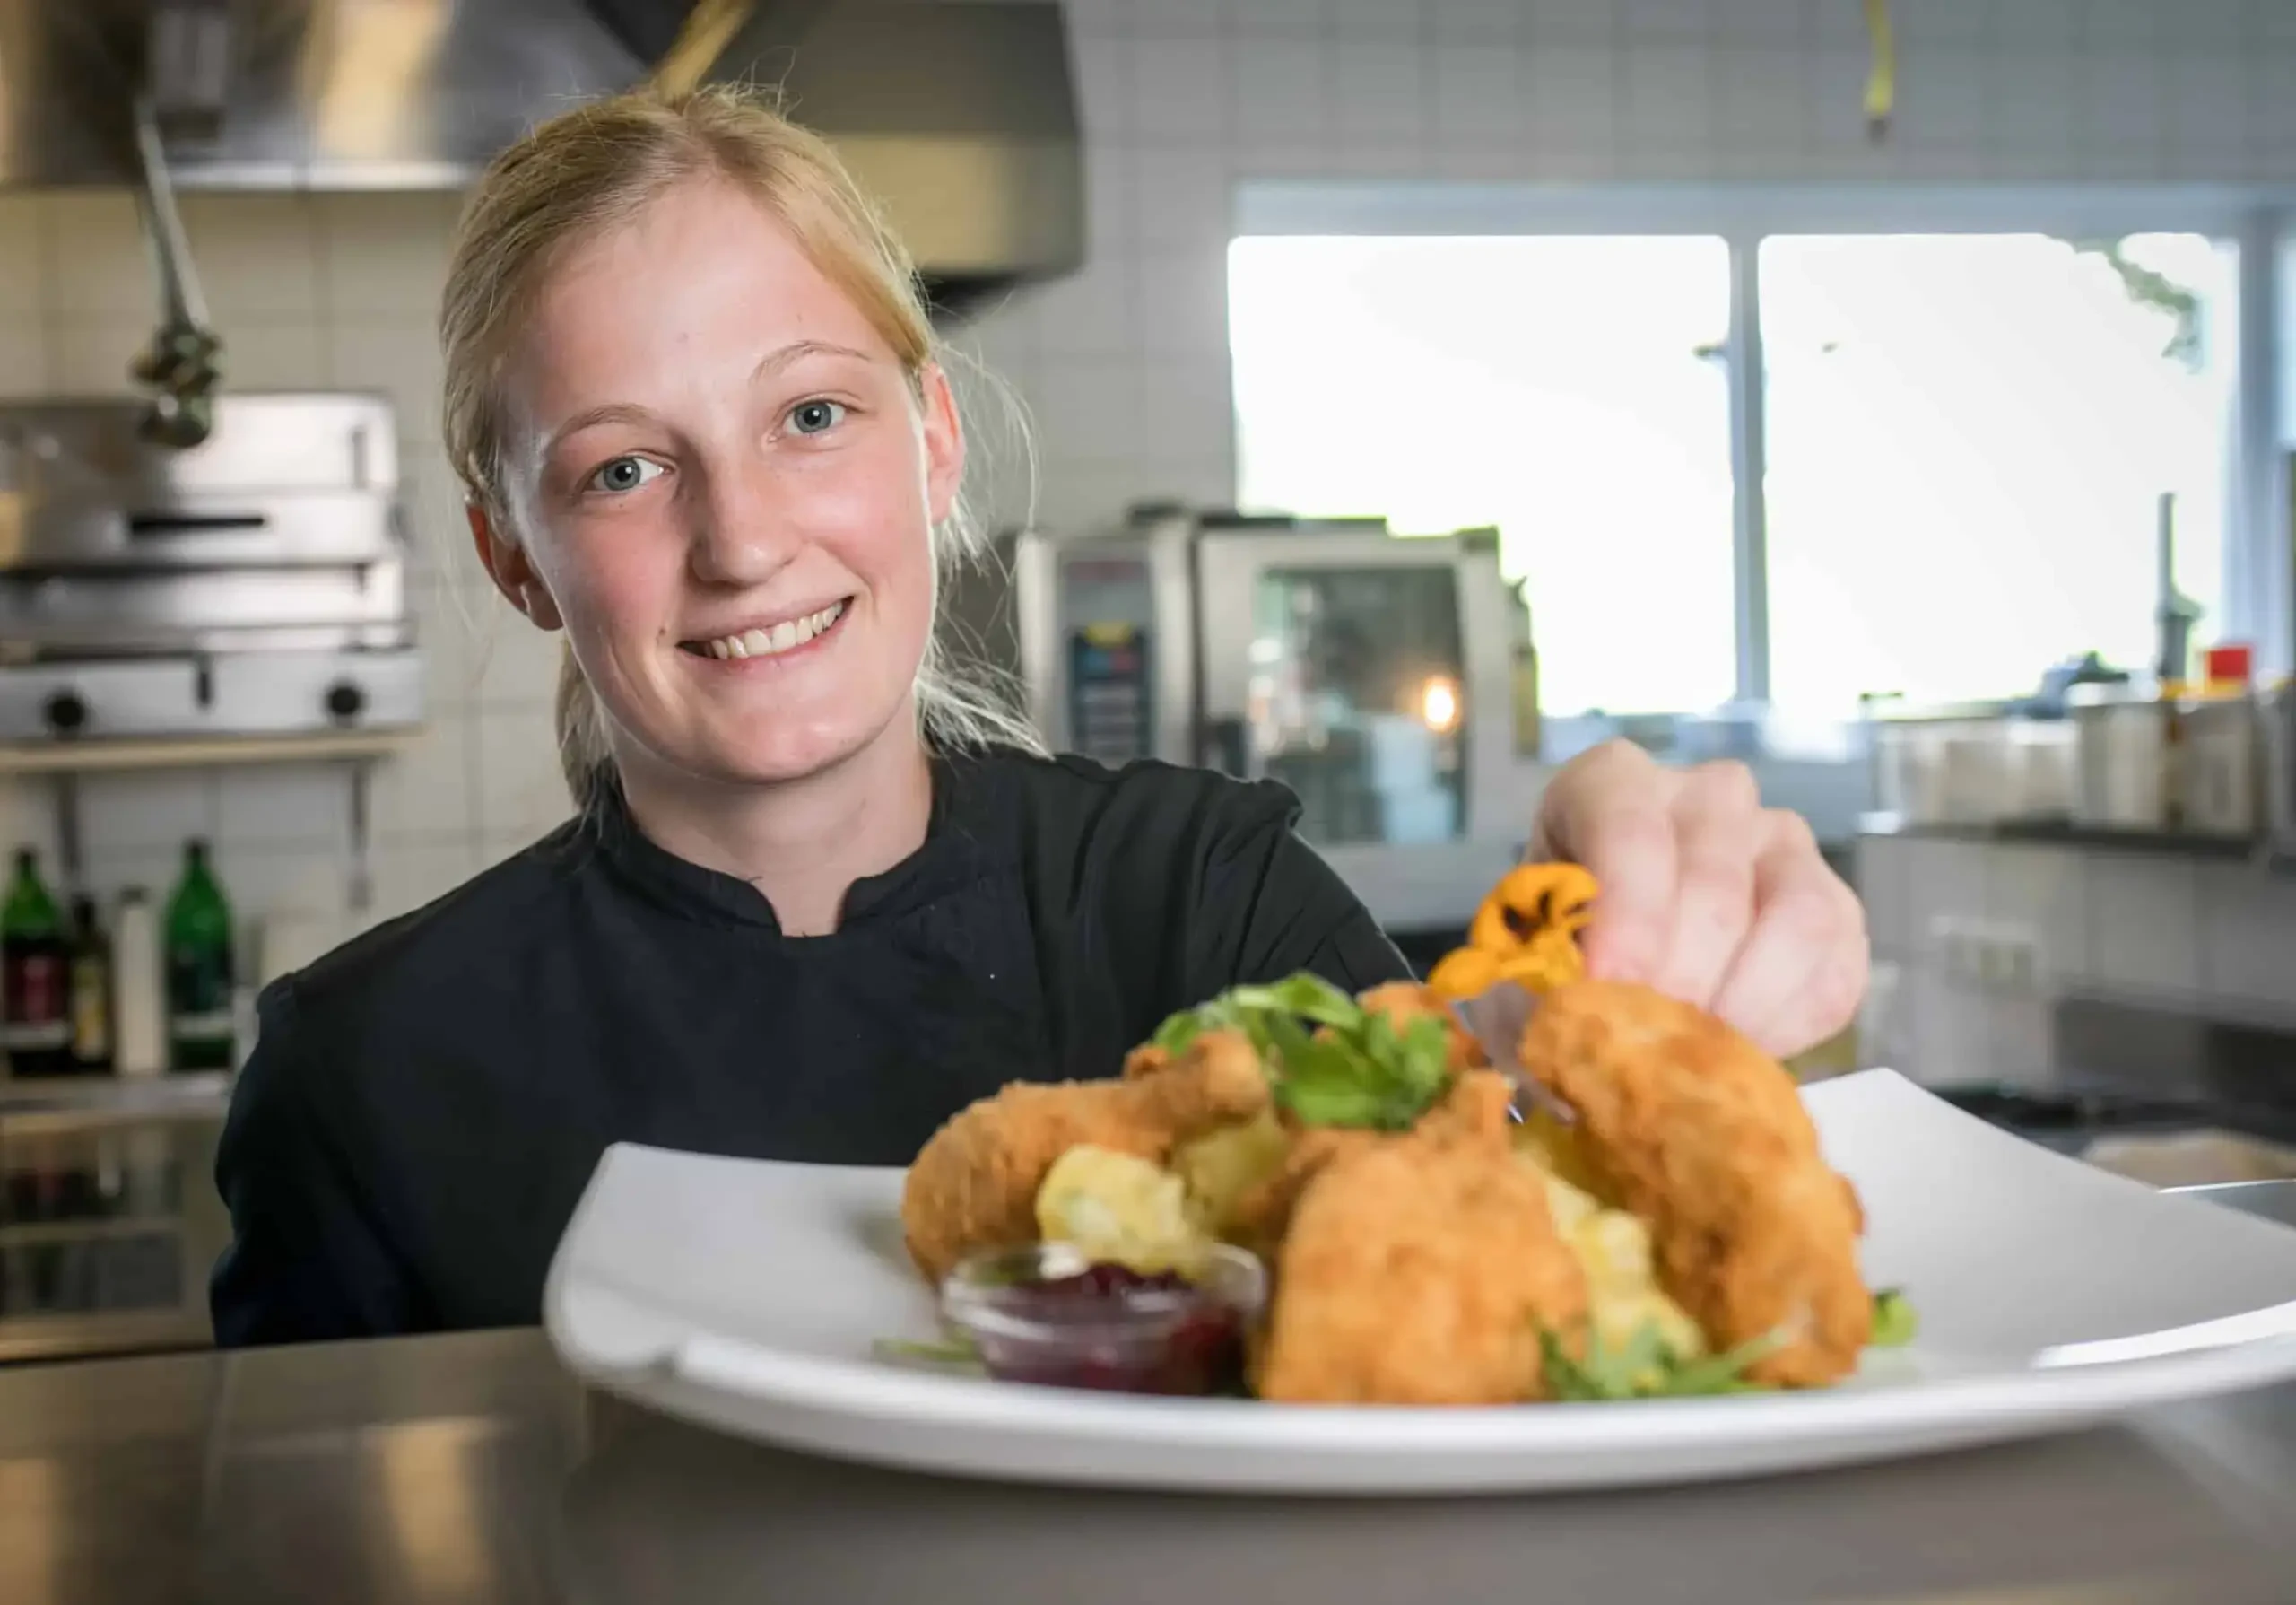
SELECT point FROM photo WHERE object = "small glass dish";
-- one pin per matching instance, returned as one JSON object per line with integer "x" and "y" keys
{"x": 1049, "y": 1313}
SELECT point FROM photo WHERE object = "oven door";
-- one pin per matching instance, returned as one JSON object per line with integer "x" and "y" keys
{"x": 1369, "y": 673}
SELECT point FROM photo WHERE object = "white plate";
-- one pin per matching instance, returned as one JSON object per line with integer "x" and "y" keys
{"x": 746, "y": 1296}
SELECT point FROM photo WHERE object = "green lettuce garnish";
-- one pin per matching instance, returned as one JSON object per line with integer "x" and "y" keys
{"x": 1647, "y": 1366}
{"x": 1359, "y": 1071}
{"x": 1894, "y": 1321}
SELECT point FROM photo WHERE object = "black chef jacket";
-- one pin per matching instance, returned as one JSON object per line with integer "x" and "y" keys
{"x": 425, "y": 1105}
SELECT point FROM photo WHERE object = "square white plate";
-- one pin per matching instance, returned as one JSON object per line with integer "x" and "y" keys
{"x": 747, "y": 1296}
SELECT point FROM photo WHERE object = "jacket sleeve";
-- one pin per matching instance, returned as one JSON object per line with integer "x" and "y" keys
{"x": 307, "y": 1260}
{"x": 1268, "y": 905}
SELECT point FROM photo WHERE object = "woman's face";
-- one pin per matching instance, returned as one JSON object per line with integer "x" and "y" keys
{"x": 724, "y": 485}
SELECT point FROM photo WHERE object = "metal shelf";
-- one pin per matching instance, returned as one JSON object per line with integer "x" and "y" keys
{"x": 80, "y": 1334}
{"x": 71, "y": 1103}
{"x": 89, "y": 757}
{"x": 93, "y": 1229}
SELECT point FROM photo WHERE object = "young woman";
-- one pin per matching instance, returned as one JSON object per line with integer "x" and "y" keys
{"x": 820, "y": 893}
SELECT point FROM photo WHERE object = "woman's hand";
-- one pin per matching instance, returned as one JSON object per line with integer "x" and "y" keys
{"x": 1708, "y": 896}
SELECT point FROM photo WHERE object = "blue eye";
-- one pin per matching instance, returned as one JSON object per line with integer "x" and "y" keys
{"x": 815, "y": 417}
{"x": 623, "y": 474}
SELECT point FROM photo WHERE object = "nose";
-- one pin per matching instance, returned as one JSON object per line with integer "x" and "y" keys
{"x": 742, "y": 534}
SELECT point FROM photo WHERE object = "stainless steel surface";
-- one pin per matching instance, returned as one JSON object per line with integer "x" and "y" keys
{"x": 960, "y": 119}
{"x": 254, "y": 584}
{"x": 470, "y": 1467}
{"x": 1187, "y": 579}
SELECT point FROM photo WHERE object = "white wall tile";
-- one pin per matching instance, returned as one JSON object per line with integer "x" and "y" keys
{"x": 1089, "y": 410}
{"x": 279, "y": 880}
{"x": 158, "y": 809}
{"x": 2046, "y": 23}
{"x": 1283, "y": 90}
{"x": 2028, "y": 101}
{"x": 1498, "y": 23}
{"x": 1572, "y": 22}
{"x": 96, "y": 263}
{"x": 1183, "y": 304}
{"x": 1944, "y": 880}
{"x": 1385, "y": 22}
{"x": 2044, "y": 890}
{"x": 1761, "y": 121}
{"x": 1377, "y": 91}
{"x": 283, "y": 806}
{"x": 1881, "y": 877}
{"x": 272, "y": 356}
{"x": 28, "y": 819}
{"x": 409, "y": 875}
{"x": 23, "y": 359}
{"x": 92, "y": 358}
{"x": 1572, "y": 111}
{"x": 2248, "y": 933}
{"x": 1669, "y": 22}
{"x": 1181, "y": 92}
{"x": 1187, "y": 411}
{"x": 1111, "y": 223}
{"x": 1106, "y": 98}
{"x": 1086, "y": 314}
{"x": 520, "y": 793}
{"x": 384, "y": 254}
{"x": 2144, "y": 916}
{"x": 1956, "y": 24}
{"x": 1179, "y": 18}
{"x": 2120, "y": 115}
{"x": 399, "y": 358}
{"x": 1760, "y": 23}
{"x": 1940, "y": 107}
{"x": 257, "y": 256}
{"x": 448, "y": 623}
{"x": 1183, "y": 200}
{"x": 1477, "y": 96}
{"x": 2020, "y": 1039}
{"x": 425, "y": 792}
{"x": 21, "y": 231}
{"x": 2121, "y": 24}
{"x": 2208, "y": 120}
{"x": 1283, "y": 19}
{"x": 514, "y": 664}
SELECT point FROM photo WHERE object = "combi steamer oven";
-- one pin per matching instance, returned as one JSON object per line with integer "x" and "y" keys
{"x": 1387, "y": 680}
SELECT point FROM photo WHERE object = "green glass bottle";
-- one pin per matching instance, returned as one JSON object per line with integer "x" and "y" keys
{"x": 200, "y": 972}
{"x": 35, "y": 1014}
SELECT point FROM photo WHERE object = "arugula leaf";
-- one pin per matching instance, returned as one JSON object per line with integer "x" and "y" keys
{"x": 1645, "y": 1367}
{"x": 950, "y": 1351}
{"x": 1330, "y": 1061}
{"x": 1894, "y": 1321}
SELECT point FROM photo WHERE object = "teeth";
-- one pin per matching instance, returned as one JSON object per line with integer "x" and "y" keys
{"x": 781, "y": 638}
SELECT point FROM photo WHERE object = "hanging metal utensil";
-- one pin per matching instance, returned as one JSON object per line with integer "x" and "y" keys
{"x": 183, "y": 364}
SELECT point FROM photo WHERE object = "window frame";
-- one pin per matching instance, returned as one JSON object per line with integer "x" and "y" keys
{"x": 2260, "y": 558}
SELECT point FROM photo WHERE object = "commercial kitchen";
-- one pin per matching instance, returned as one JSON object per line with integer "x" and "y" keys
{"x": 1393, "y": 398}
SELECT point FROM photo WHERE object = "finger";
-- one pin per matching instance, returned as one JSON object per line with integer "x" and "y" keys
{"x": 1608, "y": 810}
{"x": 1718, "y": 832}
{"x": 1801, "y": 974}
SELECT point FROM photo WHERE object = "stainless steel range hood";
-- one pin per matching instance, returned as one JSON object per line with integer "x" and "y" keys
{"x": 961, "y": 118}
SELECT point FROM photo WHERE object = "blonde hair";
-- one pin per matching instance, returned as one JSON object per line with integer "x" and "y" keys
{"x": 593, "y": 168}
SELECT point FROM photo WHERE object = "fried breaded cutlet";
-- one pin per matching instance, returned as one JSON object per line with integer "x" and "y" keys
{"x": 1419, "y": 1268}
{"x": 1688, "y": 1125}
{"x": 974, "y": 1185}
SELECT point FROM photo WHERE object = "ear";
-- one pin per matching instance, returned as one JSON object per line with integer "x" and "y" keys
{"x": 944, "y": 442}
{"x": 506, "y": 564}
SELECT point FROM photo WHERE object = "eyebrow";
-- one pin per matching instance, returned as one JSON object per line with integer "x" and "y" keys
{"x": 624, "y": 412}
{"x": 776, "y": 361}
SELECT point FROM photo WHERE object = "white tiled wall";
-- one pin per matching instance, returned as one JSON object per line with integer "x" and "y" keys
{"x": 2216, "y": 938}
{"x": 1124, "y": 366}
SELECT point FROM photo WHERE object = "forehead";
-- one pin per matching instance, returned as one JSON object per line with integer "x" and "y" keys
{"x": 703, "y": 278}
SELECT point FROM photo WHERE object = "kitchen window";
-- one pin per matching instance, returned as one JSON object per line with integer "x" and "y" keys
{"x": 1563, "y": 389}
{"x": 1960, "y": 439}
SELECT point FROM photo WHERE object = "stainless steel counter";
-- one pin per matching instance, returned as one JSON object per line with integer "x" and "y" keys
{"x": 471, "y": 1468}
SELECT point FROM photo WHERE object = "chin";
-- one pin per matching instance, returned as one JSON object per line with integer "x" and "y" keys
{"x": 784, "y": 754}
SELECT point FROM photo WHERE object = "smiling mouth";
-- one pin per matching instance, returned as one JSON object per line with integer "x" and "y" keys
{"x": 787, "y": 636}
